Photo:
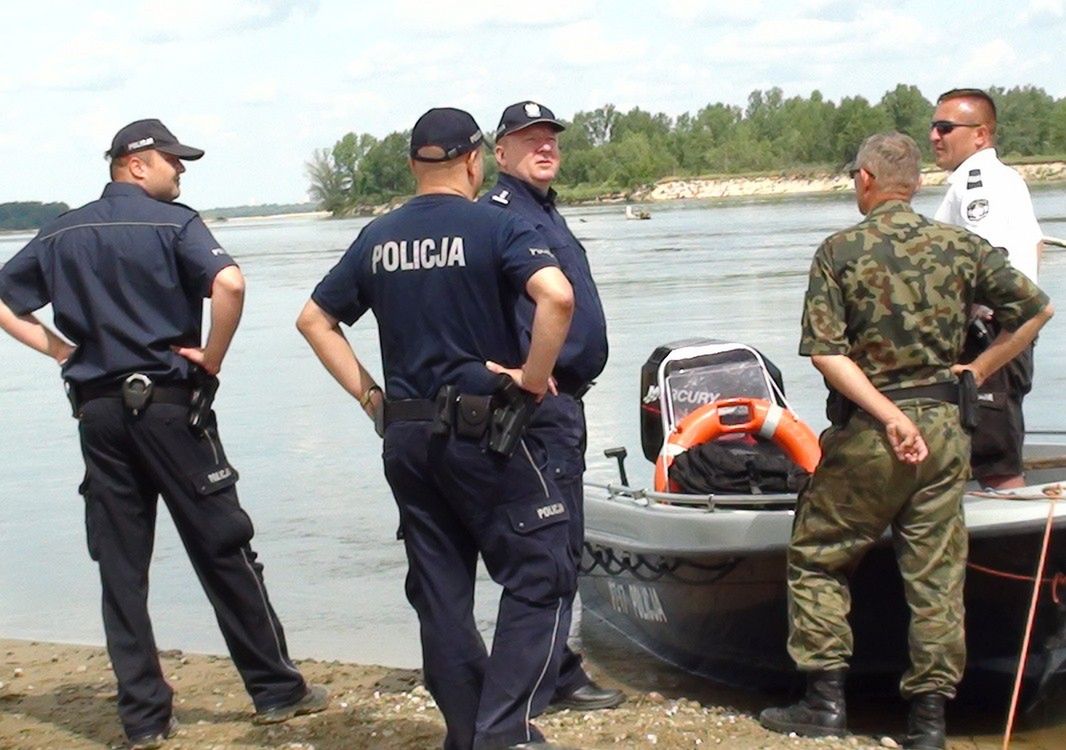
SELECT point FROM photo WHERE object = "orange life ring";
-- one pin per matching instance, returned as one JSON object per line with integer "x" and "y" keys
{"x": 704, "y": 424}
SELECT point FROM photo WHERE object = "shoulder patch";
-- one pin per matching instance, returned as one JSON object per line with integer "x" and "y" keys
{"x": 977, "y": 209}
{"x": 502, "y": 197}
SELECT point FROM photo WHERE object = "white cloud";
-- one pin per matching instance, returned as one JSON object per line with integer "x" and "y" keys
{"x": 588, "y": 43}
{"x": 262, "y": 92}
{"x": 208, "y": 18}
{"x": 802, "y": 41}
{"x": 1038, "y": 9}
{"x": 991, "y": 59}
{"x": 390, "y": 60}
{"x": 450, "y": 17}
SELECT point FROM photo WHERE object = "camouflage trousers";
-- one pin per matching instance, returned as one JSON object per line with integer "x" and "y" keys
{"x": 857, "y": 492}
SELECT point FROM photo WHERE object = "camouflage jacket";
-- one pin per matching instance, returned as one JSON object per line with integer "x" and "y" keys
{"x": 893, "y": 293}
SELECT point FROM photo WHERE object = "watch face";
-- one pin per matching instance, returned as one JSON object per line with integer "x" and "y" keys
{"x": 977, "y": 209}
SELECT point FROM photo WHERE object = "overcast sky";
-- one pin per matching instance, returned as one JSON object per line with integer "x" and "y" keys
{"x": 260, "y": 84}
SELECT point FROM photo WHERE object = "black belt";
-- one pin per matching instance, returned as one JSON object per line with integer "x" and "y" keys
{"x": 179, "y": 394}
{"x": 574, "y": 390}
{"x": 410, "y": 410}
{"x": 946, "y": 392}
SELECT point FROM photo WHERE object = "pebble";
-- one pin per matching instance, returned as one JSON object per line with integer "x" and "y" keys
{"x": 18, "y": 671}
{"x": 888, "y": 742}
{"x": 656, "y": 697}
{"x": 82, "y": 669}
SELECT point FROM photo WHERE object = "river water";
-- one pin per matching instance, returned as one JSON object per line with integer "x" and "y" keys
{"x": 310, "y": 464}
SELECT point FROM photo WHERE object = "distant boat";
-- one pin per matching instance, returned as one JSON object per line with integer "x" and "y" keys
{"x": 636, "y": 213}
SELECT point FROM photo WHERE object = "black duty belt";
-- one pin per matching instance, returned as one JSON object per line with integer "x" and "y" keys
{"x": 946, "y": 392}
{"x": 162, "y": 393}
{"x": 574, "y": 390}
{"x": 410, "y": 410}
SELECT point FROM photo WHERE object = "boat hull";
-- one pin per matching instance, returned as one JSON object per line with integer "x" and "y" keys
{"x": 720, "y": 611}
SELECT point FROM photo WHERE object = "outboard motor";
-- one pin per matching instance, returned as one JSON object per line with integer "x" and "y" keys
{"x": 682, "y": 376}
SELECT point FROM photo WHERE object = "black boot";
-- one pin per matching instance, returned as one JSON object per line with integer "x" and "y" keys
{"x": 925, "y": 724}
{"x": 821, "y": 712}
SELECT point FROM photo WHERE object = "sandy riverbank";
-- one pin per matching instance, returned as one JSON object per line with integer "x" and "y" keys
{"x": 60, "y": 696}
{"x": 781, "y": 185}
{"x": 63, "y": 696}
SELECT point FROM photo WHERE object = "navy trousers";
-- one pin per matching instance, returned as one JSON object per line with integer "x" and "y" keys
{"x": 457, "y": 500}
{"x": 129, "y": 462}
{"x": 559, "y": 425}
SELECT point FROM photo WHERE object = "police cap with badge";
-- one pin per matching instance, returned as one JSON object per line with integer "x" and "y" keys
{"x": 142, "y": 135}
{"x": 523, "y": 114}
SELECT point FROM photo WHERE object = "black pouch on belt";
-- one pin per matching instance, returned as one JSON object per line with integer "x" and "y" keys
{"x": 472, "y": 416}
{"x": 968, "y": 401}
{"x": 136, "y": 393}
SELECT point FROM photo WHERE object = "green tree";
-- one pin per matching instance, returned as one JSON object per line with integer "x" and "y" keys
{"x": 855, "y": 119}
{"x": 909, "y": 112}
{"x": 327, "y": 182}
{"x": 383, "y": 171}
{"x": 1024, "y": 117}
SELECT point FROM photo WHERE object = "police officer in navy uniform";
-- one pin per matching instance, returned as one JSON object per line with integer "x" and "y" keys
{"x": 442, "y": 275}
{"x": 527, "y": 152}
{"x": 126, "y": 276}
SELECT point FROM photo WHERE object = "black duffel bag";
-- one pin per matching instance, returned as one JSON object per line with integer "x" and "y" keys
{"x": 736, "y": 467}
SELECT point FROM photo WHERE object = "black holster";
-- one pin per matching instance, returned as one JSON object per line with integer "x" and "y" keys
{"x": 511, "y": 416}
{"x": 838, "y": 408}
{"x": 968, "y": 406}
{"x": 204, "y": 387}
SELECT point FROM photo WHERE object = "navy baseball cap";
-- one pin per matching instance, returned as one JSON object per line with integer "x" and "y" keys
{"x": 150, "y": 134}
{"x": 524, "y": 114}
{"x": 444, "y": 133}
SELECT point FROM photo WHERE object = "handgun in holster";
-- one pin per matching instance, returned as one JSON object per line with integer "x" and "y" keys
{"x": 838, "y": 408}
{"x": 204, "y": 387}
{"x": 511, "y": 416}
{"x": 968, "y": 406}
{"x": 444, "y": 417}
{"x": 72, "y": 398}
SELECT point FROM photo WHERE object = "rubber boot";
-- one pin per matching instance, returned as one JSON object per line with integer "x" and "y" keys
{"x": 821, "y": 712}
{"x": 925, "y": 723}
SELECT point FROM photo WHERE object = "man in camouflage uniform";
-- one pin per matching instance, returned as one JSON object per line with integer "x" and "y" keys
{"x": 884, "y": 320}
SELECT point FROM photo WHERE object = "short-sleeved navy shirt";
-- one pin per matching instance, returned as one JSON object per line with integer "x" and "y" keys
{"x": 126, "y": 276}
{"x": 442, "y": 275}
{"x": 584, "y": 354}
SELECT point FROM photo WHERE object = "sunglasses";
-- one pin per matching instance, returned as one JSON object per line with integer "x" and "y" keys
{"x": 943, "y": 127}
{"x": 855, "y": 171}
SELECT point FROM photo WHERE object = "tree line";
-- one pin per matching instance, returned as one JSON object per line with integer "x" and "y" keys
{"x": 607, "y": 151}
{"x": 29, "y": 214}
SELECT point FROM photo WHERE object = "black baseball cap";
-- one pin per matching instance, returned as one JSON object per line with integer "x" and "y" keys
{"x": 444, "y": 133}
{"x": 522, "y": 115}
{"x": 150, "y": 134}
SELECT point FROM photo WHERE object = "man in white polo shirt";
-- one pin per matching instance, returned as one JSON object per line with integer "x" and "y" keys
{"x": 991, "y": 200}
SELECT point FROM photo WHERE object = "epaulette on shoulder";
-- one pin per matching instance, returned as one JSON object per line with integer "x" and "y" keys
{"x": 503, "y": 197}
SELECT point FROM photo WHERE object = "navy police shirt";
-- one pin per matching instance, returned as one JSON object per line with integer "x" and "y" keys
{"x": 584, "y": 354}
{"x": 126, "y": 276}
{"x": 442, "y": 275}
